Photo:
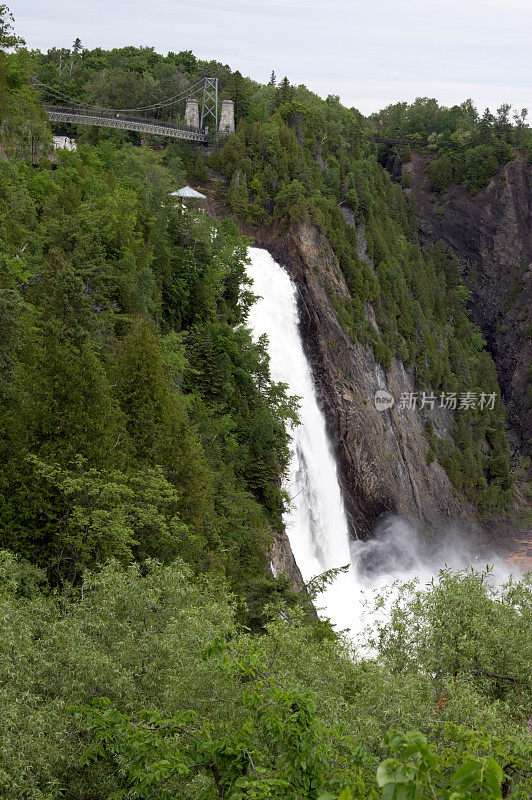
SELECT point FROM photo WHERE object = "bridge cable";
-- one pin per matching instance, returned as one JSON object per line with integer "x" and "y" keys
{"x": 168, "y": 101}
{"x": 163, "y": 104}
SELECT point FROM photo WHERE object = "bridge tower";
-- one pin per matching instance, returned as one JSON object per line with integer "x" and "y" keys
{"x": 209, "y": 103}
{"x": 192, "y": 119}
{"x": 227, "y": 117}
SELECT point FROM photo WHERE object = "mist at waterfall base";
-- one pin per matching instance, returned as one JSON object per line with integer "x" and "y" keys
{"x": 316, "y": 522}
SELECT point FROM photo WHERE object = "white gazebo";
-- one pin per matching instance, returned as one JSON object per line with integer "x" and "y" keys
{"x": 188, "y": 193}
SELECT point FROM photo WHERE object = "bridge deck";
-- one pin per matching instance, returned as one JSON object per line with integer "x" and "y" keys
{"x": 125, "y": 122}
{"x": 109, "y": 119}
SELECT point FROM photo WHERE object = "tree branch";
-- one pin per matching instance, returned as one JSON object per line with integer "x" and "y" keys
{"x": 217, "y": 777}
{"x": 252, "y": 764}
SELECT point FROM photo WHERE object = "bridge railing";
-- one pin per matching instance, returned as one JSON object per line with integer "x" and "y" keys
{"x": 118, "y": 115}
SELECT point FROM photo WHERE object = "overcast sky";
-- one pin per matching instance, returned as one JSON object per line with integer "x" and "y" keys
{"x": 370, "y": 52}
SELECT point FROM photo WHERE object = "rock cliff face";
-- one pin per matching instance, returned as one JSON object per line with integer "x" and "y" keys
{"x": 381, "y": 455}
{"x": 491, "y": 234}
{"x": 283, "y": 561}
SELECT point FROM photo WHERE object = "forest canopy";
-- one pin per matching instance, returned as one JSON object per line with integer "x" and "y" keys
{"x": 147, "y": 650}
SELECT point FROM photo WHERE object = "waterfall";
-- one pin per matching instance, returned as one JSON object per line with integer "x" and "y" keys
{"x": 316, "y": 522}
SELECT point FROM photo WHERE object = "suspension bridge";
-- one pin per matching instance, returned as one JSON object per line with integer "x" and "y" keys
{"x": 123, "y": 121}
{"x": 200, "y": 123}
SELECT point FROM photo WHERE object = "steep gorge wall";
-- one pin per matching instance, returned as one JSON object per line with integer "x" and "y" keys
{"x": 381, "y": 455}
{"x": 491, "y": 234}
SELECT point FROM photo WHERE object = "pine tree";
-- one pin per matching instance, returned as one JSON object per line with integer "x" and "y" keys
{"x": 238, "y": 90}
{"x": 157, "y": 423}
{"x": 273, "y": 79}
{"x": 285, "y": 91}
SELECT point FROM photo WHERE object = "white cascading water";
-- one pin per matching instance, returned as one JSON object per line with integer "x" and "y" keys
{"x": 316, "y": 523}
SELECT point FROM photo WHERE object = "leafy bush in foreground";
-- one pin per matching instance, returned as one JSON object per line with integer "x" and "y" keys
{"x": 196, "y": 704}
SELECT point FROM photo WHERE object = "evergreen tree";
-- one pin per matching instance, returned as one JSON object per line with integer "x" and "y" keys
{"x": 238, "y": 91}
{"x": 8, "y": 38}
{"x": 285, "y": 92}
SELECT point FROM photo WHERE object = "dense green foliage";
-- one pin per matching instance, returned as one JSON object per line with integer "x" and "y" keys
{"x": 146, "y": 651}
{"x": 23, "y": 128}
{"x": 137, "y": 417}
{"x": 469, "y": 147}
{"x": 197, "y": 707}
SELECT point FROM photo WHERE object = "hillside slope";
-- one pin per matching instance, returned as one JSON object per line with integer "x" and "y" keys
{"x": 491, "y": 233}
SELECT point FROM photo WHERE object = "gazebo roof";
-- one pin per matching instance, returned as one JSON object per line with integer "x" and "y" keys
{"x": 187, "y": 191}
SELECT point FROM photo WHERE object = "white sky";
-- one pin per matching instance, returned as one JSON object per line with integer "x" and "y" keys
{"x": 370, "y": 52}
